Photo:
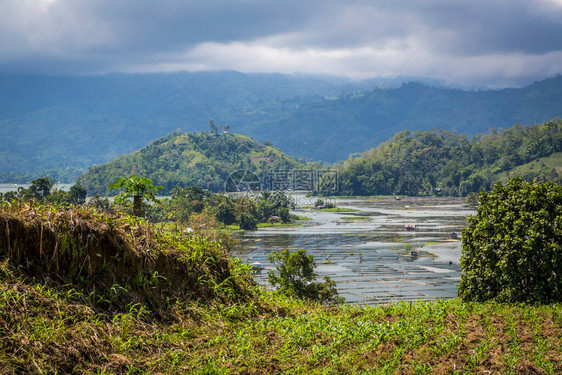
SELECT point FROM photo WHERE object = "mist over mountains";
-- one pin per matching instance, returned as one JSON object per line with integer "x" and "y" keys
{"x": 70, "y": 123}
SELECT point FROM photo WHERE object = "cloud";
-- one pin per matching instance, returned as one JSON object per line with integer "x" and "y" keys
{"x": 491, "y": 42}
{"x": 493, "y": 70}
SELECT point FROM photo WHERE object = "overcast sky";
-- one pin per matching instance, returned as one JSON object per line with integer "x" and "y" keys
{"x": 494, "y": 43}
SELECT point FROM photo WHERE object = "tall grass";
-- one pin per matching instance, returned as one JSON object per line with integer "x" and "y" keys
{"x": 117, "y": 260}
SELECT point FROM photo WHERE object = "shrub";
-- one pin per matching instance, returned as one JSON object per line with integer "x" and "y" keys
{"x": 297, "y": 277}
{"x": 247, "y": 221}
{"x": 320, "y": 203}
{"x": 284, "y": 215}
{"x": 512, "y": 247}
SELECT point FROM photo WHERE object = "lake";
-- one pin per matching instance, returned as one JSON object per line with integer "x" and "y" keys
{"x": 4, "y": 188}
{"x": 370, "y": 252}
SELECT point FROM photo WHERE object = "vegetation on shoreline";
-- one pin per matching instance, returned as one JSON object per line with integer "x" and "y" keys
{"x": 192, "y": 205}
{"x": 41, "y": 190}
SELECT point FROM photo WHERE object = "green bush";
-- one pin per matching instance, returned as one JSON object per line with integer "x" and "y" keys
{"x": 284, "y": 215}
{"x": 512, "y": 247}
{"x": 296, "y": 277}
{"x": 247, "y": 221}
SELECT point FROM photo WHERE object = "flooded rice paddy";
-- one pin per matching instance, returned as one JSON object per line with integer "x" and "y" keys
{"x": 369, "y": 251}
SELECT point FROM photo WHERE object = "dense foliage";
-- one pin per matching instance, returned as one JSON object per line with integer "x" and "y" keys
{"x": 512, "y": 248}
{"x": 442, "y": 162}
{"x": 191, "y": 206}
{"x": 245, "y": 211}
{"x": 192, "y": 159}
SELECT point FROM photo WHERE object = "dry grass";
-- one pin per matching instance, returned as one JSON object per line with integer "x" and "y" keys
{"x": 120, "y": 259}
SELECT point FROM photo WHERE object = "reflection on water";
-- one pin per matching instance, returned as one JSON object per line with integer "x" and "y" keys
{"x": 369, "y": 252}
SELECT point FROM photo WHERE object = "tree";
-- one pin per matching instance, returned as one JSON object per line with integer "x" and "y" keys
{"x": 225, "y": 212}
{"x": 40, "y": 188}
{"x": 296, "y": 277}
{"x": 213, "y": 126}
{"x": 139, "y": 187}
{"x": 77, "y": 194}
{"x": 512, "y": 248}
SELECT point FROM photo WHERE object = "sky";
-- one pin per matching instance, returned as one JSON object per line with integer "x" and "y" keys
{"x": 490, "y": 43}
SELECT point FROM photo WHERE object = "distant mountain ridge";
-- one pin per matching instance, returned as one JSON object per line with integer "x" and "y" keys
{"x": 70, "y": 123}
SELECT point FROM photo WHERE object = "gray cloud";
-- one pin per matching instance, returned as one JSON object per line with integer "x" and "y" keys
{"x": 493, "y": 42}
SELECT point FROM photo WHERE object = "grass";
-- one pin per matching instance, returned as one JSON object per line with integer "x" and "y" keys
{"x": 339, "y": 209}
{"x": 52, "y": 323}
{"x": 549, "y": 162}
{"x": 363, "y": 218}
{"x": 45, "y": 330}
{"x": 117, "y": 260}
{"x": 277, "y": 225}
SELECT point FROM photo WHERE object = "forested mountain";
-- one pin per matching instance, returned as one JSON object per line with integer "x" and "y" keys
{"x": 203, "y": 159}
{"x": 444, "y": 162}
{"x": 70, "y": 123}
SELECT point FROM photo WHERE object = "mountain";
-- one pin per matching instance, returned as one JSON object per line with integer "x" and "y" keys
{"x": 443, "y": 162}
{"x": 71, "y": 123}
{"x": 331, "y": 129}
{"x": 66, "y": 124}
{"x": 217, "y": 162}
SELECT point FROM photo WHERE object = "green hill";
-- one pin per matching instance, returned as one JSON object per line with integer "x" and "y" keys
{"x": 443, "y": 162}
{"x": 201, "y": 159}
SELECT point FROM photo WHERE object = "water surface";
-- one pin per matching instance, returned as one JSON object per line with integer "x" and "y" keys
{"x": 369, "y": 252}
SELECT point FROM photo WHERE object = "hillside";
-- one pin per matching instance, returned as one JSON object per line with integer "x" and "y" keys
{"x": 110, "y": 295}
{"x": 201, "y": 159}
{"x": 442, "y": 162}
{"x": 70, "y": 123}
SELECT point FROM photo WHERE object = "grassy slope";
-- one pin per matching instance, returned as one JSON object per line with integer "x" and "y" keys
{"x": 47, "y": 325}
{"x": 549, "y": 162}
